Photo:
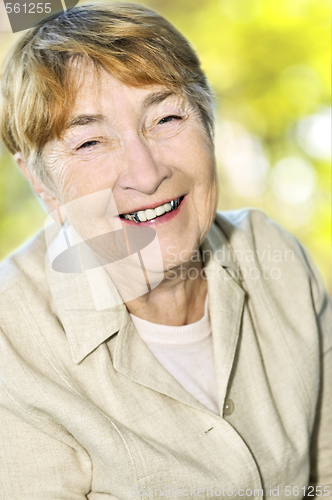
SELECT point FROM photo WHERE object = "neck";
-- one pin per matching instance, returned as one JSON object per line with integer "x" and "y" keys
{"x": 178, "y": 300}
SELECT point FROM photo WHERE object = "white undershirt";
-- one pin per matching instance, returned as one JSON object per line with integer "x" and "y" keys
{"x": 186, "y": 352}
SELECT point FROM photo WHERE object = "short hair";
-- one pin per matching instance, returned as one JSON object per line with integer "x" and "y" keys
{"x": 134, "y": 44}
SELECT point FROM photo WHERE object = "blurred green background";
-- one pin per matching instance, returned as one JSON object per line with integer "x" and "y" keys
{"x": 269, "y": 64}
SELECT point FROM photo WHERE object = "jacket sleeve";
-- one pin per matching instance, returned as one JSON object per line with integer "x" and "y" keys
{"x": 39, "y": 459}
{"x": 321, "y": 445}
{"x": 34, "y": 465}
{"x": 321, "y": 441}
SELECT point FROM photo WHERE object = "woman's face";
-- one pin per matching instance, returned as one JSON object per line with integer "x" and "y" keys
{"x": 147, "y": 147}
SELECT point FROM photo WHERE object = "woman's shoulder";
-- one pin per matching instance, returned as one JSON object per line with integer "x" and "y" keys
{"x": 24, "y": 291}
{"x": 275, "y": 265}
{"x": 254, "y": 224}
{"x": 25, "y": 266}
{"x": 263, "y": 240}
{"x": 30, "y": 332}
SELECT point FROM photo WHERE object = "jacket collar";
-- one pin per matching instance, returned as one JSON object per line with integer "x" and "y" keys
{"x": 74, "y": 301}
{"x": 86, "y": 328}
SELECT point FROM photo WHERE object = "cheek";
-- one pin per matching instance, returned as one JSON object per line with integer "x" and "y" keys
{"x": 197, "y": 152}
{"x": 203, "y": 168}
{"x": 204, "y": 175}
{"x": 76, "y": 178}
{"x": 86, "y": 190}
{"x": 206, "y": 164}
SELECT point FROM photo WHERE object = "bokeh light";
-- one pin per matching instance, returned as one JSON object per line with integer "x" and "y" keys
{"x": 293, "y": 180}
{"x": 243, "y": 158}
{"x": 314, "y": 134}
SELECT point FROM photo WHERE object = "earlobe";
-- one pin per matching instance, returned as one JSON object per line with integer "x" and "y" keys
{"x": 47, "y": 198}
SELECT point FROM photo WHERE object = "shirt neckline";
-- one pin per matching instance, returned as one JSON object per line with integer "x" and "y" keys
{"x": 155, "y": 333}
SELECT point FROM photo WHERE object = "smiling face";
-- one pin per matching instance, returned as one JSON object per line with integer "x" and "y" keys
{"x": 148, "y": 146}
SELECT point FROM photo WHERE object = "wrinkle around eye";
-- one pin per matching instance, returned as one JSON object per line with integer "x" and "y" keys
{"x": 166, "y": 126}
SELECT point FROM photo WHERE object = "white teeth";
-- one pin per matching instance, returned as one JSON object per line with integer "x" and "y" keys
{"x": 141, "y": 215}
{"x": 150, "y": 213}
{"x": 160, "y": 210}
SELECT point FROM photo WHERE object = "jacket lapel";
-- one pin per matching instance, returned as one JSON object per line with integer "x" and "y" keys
{"x": 133, "y": 359}
{"x": 226, "y": 301}
{"x": 226, "y": 304}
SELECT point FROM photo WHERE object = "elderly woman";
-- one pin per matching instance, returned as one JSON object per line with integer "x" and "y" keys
{"x": 149, "y": 345}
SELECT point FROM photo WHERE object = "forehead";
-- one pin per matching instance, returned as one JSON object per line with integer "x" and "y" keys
{"x": 97, "y": 90}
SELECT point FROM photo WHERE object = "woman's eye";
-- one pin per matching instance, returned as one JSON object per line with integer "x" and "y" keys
{"x": 88, "y": 144}
{"x": 169, "y": 119}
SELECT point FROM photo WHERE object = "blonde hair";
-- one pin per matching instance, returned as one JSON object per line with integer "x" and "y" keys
{"x": 136, "y": 45}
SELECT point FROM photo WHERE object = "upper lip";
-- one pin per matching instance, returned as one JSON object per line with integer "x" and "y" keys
{"x": 152, "y": 205}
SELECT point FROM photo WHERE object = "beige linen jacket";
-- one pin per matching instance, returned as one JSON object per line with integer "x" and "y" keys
{"x": 86, "y": 411}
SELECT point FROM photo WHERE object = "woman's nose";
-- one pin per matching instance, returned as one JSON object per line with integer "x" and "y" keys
{"x": 144, "y": 168}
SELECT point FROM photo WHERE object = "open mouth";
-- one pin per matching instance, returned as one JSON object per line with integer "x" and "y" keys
{"x": 153, "y": 213}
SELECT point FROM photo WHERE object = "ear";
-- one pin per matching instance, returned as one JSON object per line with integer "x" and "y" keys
{"x": 47, "y": 198}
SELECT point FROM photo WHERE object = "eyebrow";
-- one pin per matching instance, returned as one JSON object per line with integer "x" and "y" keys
{"x": 151, "y": 100}
{"x": 85, "y": 119}
{"x": 156, "y": 98}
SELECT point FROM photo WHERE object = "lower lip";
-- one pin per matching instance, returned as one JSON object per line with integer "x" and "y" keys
{"x": 158, "y": 220}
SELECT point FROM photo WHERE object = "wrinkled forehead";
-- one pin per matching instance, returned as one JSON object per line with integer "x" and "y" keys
{"x": 91, "y": 86}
